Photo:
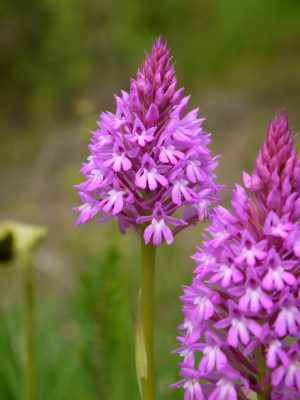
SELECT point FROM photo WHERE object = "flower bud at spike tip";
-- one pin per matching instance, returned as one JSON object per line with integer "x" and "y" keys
{"x": 242, "y": 310}
{"x": 149, "y": 159}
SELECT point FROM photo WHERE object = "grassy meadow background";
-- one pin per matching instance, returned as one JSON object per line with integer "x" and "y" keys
{"x": 61, "y": 61}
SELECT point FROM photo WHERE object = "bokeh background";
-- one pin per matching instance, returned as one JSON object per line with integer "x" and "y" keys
{"x": 61, "y": 61}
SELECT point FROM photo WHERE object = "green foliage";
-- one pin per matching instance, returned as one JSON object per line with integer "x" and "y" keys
{"x": 56, "y": 51}
{"x": 9, "y": 355}
{"x": 106, "y": 348}
{"x": 84, "y": 348}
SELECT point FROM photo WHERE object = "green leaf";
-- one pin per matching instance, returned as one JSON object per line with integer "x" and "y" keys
{"x": 140, "y": 349}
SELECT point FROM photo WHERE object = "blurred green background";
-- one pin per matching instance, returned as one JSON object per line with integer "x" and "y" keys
{"x": 61, "y": 61}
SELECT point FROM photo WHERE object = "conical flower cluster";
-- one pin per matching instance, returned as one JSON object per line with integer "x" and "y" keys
{"x": 149, "y": 158}
{"x": 242, "y": 311}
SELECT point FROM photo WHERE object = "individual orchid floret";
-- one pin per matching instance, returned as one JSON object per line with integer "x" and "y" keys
{"x": 250, "y": 251}
{"x": 239, "y": 327}
{"x": 158, "y": 227}
{"x": 288, "y": 372}
{"x": 278, "y": 273}
{"x": 247, "y": 285}
{"x": 287, "y": 322}
{"x": 190, "y": 383}
{"x": 213, "y": 356}
{"x": 149, "y": 152}
{"x": 226, "y": 387}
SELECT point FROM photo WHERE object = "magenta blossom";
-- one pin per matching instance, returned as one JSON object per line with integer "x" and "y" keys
{"x": 242, "y": 310}
{"x": 149, "y": 159}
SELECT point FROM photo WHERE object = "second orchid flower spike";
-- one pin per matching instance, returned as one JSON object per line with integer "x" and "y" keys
{"x": 242, "y": 310}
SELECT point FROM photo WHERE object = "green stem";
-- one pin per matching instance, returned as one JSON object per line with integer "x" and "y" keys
{"x": 262, "y": 370}
{"x": 27, "y": 293}
{"x": 147, "y": 317}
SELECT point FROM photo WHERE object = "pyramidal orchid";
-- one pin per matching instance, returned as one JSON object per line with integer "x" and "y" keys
{"x": 241, "y": 324}
{"x": 149, "y": 159}
{"x": 150, "y": 168}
